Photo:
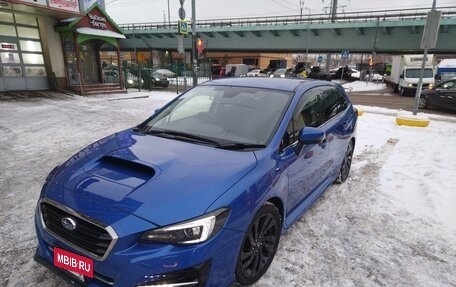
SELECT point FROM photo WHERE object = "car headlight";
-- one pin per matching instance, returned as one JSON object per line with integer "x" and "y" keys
{"x": 282, "y": 76}
{"x": 189, "y": 232}
{"x": 409, "y": 84}
{"x": 130, "y": 81}
{"x": 431, "y": 86}
{"x": 157, "y": 79}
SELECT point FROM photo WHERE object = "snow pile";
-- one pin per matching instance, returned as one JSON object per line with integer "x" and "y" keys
{"x": 393, "y": 223}
{"x": 360, "y": 86}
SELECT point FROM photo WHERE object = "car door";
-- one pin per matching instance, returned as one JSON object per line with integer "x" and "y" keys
{"x": 447, "y": 94}
{"x": 305, "y": 169}
{"x": 338, "y": 124}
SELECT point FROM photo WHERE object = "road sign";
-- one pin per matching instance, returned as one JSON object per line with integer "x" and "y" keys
{"x": 345, "y": 54}
{"x": 182, "y": 27}
{"x": 320, "y": 59}
{"x": 181, "y": 13}
{"x": 431, "y": 29}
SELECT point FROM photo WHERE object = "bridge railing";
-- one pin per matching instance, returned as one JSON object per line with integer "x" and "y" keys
{"x": 344, "y": 17}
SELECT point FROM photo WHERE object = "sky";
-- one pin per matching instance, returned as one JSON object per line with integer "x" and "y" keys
{"x": 141, "y": 11}
{"x": 392, "y": 223}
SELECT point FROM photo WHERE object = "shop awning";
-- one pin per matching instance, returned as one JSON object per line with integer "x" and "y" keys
{"x": 101, "y": 33}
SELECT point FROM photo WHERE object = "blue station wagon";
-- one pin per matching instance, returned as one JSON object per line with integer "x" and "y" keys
{"x": 199, "y": 193}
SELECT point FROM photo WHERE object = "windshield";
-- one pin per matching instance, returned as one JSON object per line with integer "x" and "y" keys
{"x": 224, "y": 114}
{"x": 415, "y": 73}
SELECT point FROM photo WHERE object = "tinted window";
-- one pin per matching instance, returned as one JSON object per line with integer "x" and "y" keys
{"x": 307, "y": 114}
{"x": 448, "y": 85}
{"x": 332, "y": 103}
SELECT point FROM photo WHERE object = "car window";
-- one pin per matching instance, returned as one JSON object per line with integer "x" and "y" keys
{"x": 307, "y": 114}
{"x": 225, "y": 113}
{"x": 448, "y": 85}
{"x": 332, "y": 103}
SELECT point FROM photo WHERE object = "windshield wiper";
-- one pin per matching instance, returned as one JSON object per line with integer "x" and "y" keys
{"x": 181, "y": 136}
{"x": 240, "y": 146}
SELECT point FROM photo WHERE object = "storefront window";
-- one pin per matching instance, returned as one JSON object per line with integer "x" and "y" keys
{"x": 10, "y": 58}
{"x": 30, "y": 46}
{"x": 35, "y": 71}
{"x": 26, "y": 19}
{"x": 28, "y": 32}
{"x": 7, "y": 30}
{"x": 9, "y": 71}
{"x": 32, "y": 58}
{"x": 6, "y": 17}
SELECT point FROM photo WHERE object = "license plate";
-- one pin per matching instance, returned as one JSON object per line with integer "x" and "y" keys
{"x": 78, "y": 265}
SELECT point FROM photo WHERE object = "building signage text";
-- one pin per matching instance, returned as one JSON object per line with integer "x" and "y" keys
{"x": 97, "y": 21}
{"x": 71, "y": 5}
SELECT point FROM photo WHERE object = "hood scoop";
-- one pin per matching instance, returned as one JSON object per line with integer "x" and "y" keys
{"x": 120, "y": 170}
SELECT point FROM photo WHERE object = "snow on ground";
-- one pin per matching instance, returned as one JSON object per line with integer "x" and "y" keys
{"x": 393, "y": 223}
{"x": 361, "y": 86}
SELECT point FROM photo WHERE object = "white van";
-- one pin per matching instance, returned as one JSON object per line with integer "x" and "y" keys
{"x": 241, "y": 69}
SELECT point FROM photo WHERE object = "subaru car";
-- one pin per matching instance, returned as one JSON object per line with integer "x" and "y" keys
{"x": 200, "y": 192}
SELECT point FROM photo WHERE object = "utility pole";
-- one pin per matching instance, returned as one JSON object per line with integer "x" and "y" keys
{"x": 169, "y": 16}
{"x": 194, "y": 55}
{"x": 308, "y": 39}
{"x": 301, "y": 6}
{"x": 333, "y": 14}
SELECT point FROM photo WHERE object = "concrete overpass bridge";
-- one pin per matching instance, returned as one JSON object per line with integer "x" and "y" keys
{"x": 387, "y": 31}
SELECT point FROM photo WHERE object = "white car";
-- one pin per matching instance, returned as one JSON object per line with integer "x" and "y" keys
{"x": 256, "y": 73}
{"x": 165, "y": 72}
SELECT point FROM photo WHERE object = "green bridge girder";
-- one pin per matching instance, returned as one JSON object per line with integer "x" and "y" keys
{"x": 392, "y": 32}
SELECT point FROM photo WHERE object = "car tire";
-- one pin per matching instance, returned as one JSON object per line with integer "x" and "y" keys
{"x": 259, "y": 245}
{"x": 422, "y": 103}
{"x": 346, "y": 164}
{"x": 395, "y": 88}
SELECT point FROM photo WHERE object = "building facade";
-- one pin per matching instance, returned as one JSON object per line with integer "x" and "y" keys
{"x": 34, "y": 52}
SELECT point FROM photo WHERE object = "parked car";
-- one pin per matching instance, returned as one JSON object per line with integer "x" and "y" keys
{"x": 165, "y": 72}
{"x": 110, "y": 76}
{"x": 345, "y": 73}
{"x": 256, "y": 73}
{"x": 282, "y": 73}
{"x": 318, "y": 74}
{"x": 154, "y": 79}
{"x": 132, "y": 81}
{"x": 200, "y": 192}
{"x": 442, "y": 95}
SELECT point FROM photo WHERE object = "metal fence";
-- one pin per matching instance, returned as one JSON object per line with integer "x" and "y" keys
{"x": 149, "y": 77}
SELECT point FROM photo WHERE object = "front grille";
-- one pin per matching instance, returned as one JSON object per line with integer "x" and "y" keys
{"x": 87, "y": 236}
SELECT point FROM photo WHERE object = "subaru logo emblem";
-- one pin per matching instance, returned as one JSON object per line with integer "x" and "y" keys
{"x": 68, "y": 223}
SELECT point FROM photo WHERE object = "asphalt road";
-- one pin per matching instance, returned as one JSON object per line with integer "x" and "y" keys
{"x": 387, "y": 99}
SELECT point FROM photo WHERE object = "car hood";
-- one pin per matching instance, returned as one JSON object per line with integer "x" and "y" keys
{"x": 160, "y": 180}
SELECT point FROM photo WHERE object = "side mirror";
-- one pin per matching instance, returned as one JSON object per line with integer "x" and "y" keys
{"x": 401, "y": 76}
{"x": 309, "y": 135}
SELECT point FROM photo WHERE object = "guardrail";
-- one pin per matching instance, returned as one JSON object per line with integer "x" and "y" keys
{"x": 345, "y": 17}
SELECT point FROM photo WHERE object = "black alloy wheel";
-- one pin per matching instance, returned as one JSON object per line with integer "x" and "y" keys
{"x": 346, "y": 164}
{"x": 259, "y": 245}
{"x": 422, "y": 103}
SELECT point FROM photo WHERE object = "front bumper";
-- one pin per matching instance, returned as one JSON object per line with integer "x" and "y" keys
{"x": 131, "y": 263}
{"x": 191, "y": 277}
